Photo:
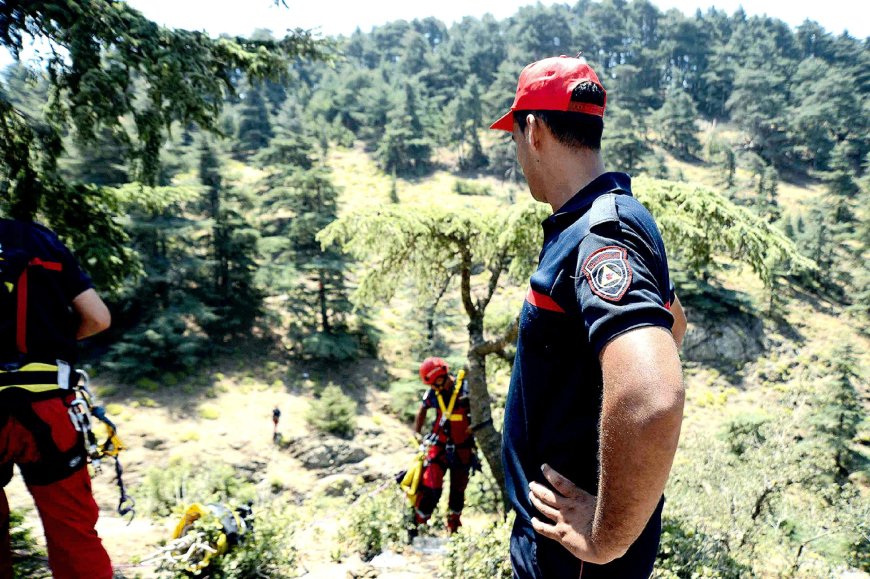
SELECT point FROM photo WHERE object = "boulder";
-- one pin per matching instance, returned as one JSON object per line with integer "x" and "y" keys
{"x": 336, "y": 485}
{"x": 325, "y": 452}
{"x": 732, "y": 340}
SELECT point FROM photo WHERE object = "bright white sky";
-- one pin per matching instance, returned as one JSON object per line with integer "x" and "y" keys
{"x": 236, "y": 17}
{"x": 331, "y": 18}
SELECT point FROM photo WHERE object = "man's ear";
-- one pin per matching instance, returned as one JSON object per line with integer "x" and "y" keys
{"x": 534, "y": 132}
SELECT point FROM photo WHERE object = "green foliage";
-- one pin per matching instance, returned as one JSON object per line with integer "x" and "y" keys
{"x": 483, "y": 555}
{"x": 228, "y": 288}
{"x": 466, "y": 187}
{"x": 167, "y": 342}
{"x": 333, "y": 412}
{"x": 773, "y": 495}
{"x": 27, "y": 559}
{"x": 675, "y": 123}
{"x": 119, "y": 69}
{"x": 744, "y": 431}
{"x": 424, "y": 245}
{"x": 267, "y": 550}
{"x": 697, "y": 223}
{"x": 404, "y": 147}
{"x": 376, "y": 523}
{"x": 405, "y": 398}
{"x": 686, "y": 553}
{"x": 166, "y": 489}
{"x": 255, "y": 129}
{"x": 624, "y": 141}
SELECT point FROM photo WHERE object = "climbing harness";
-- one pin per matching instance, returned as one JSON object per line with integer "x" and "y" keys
{"x": 81, "y": 409}
{"x": 447, "y": 412}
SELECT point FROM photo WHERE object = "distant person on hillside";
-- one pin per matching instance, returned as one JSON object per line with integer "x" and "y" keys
{"x": 276, "y": 416}
{"x": 452, "y": 445}
{"x": 46, "y": 303}
{"x": 595, "y": 405}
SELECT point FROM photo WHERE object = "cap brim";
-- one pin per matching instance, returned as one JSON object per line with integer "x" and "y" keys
{"x": 506, "y": 123}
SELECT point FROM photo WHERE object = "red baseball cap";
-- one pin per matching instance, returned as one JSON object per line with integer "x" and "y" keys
{"x": 546, "y": 85}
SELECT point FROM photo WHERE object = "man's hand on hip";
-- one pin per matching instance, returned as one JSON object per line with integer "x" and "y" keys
{"x": 572, "y": 511}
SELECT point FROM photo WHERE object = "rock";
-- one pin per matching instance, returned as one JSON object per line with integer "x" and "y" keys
{"x": 389, "y": 560}
{"x": 326, "y": 452}
{"x": 362, "y": 572}
{"x": 430, "y": 545}
{"x": 336, "y": 485}
{"x": 732, "y": 339}
{"x": 154, "y": 443}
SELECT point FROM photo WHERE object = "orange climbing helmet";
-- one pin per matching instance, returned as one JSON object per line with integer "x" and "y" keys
{"x": 431, "y": 369}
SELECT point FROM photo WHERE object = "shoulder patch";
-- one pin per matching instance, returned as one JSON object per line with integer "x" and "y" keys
{"x": 608, "y": 272}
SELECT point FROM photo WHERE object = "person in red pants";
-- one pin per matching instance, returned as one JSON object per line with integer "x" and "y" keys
{"x": 452, "y": 445}
{"x": 47, "y": 303}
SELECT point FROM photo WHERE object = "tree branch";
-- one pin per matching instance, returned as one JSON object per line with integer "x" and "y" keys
{"x": 495, "y": 274}
{"x": 465, "y": 286}
{"x": 499, "y": 344}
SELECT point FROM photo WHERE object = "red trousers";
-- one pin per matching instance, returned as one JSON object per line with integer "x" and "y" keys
{"x": 433, "y": 480}
{"x": 66, "y": 507}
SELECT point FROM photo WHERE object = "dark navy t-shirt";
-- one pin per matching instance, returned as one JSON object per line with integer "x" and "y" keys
{"x": 598, "y": 277}
{"x": 54, "y": 280}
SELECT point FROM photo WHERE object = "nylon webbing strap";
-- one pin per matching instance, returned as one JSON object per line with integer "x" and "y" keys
{"x": 447, "y": 413}
{"x": 34, "y": 377}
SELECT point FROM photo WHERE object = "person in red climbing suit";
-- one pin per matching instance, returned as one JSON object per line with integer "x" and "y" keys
{"x": 452, "y": 445}
{"x": 47, "y": 303}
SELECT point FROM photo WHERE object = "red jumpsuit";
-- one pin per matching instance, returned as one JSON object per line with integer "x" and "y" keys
{"x": 66, "y": 507}
{"x": 452, "y": 450}
{"x": 40, "y": 280}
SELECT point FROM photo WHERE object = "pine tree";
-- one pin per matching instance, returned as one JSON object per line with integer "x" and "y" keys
{"x": 230, "y": 291}
{"x": 255, "y": 128}
{"x": 675, "y": 123}
{"x": 404, "y": 146}
{"x": 300, "y": 201}
{"x": 623, "y": 143}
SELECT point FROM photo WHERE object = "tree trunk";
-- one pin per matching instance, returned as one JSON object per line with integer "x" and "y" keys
{"x": 487, "y": 437}
{"x": 321, "y": 295}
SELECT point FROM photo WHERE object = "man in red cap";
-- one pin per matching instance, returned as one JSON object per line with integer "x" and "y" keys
{"x": 595, "y": 405}
{"x": 452, "y": 445}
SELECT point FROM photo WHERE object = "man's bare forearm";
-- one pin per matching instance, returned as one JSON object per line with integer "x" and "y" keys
{"x": 420, "y": 420}
{"x": 641, "y": 416}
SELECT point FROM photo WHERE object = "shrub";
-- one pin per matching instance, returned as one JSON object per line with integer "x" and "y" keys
{"x": 745, "y": 431}
{"x": 209, "y": 412}
{"x": 28, "y": 560}
{"x": 267, "y": 551}
{"x": 479, "y": 555}
{"x": 166, "y": 489}
{"x": 465, "y": 187}
{"x": 334, "y": 412}
{"x": 165, "y": 343}
{"x": 377, "y": 523}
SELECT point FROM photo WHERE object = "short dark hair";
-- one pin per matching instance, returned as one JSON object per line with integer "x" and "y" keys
{"x": 577, "y": 130}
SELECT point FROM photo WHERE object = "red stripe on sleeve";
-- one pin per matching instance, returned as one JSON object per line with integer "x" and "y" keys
{"x": 50, "y": 265}
{"x": 543, "y": 302}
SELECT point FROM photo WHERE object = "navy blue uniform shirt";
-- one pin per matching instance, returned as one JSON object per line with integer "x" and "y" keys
{"x": 54, "y": 280}
{"x": 601, "y": 272}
